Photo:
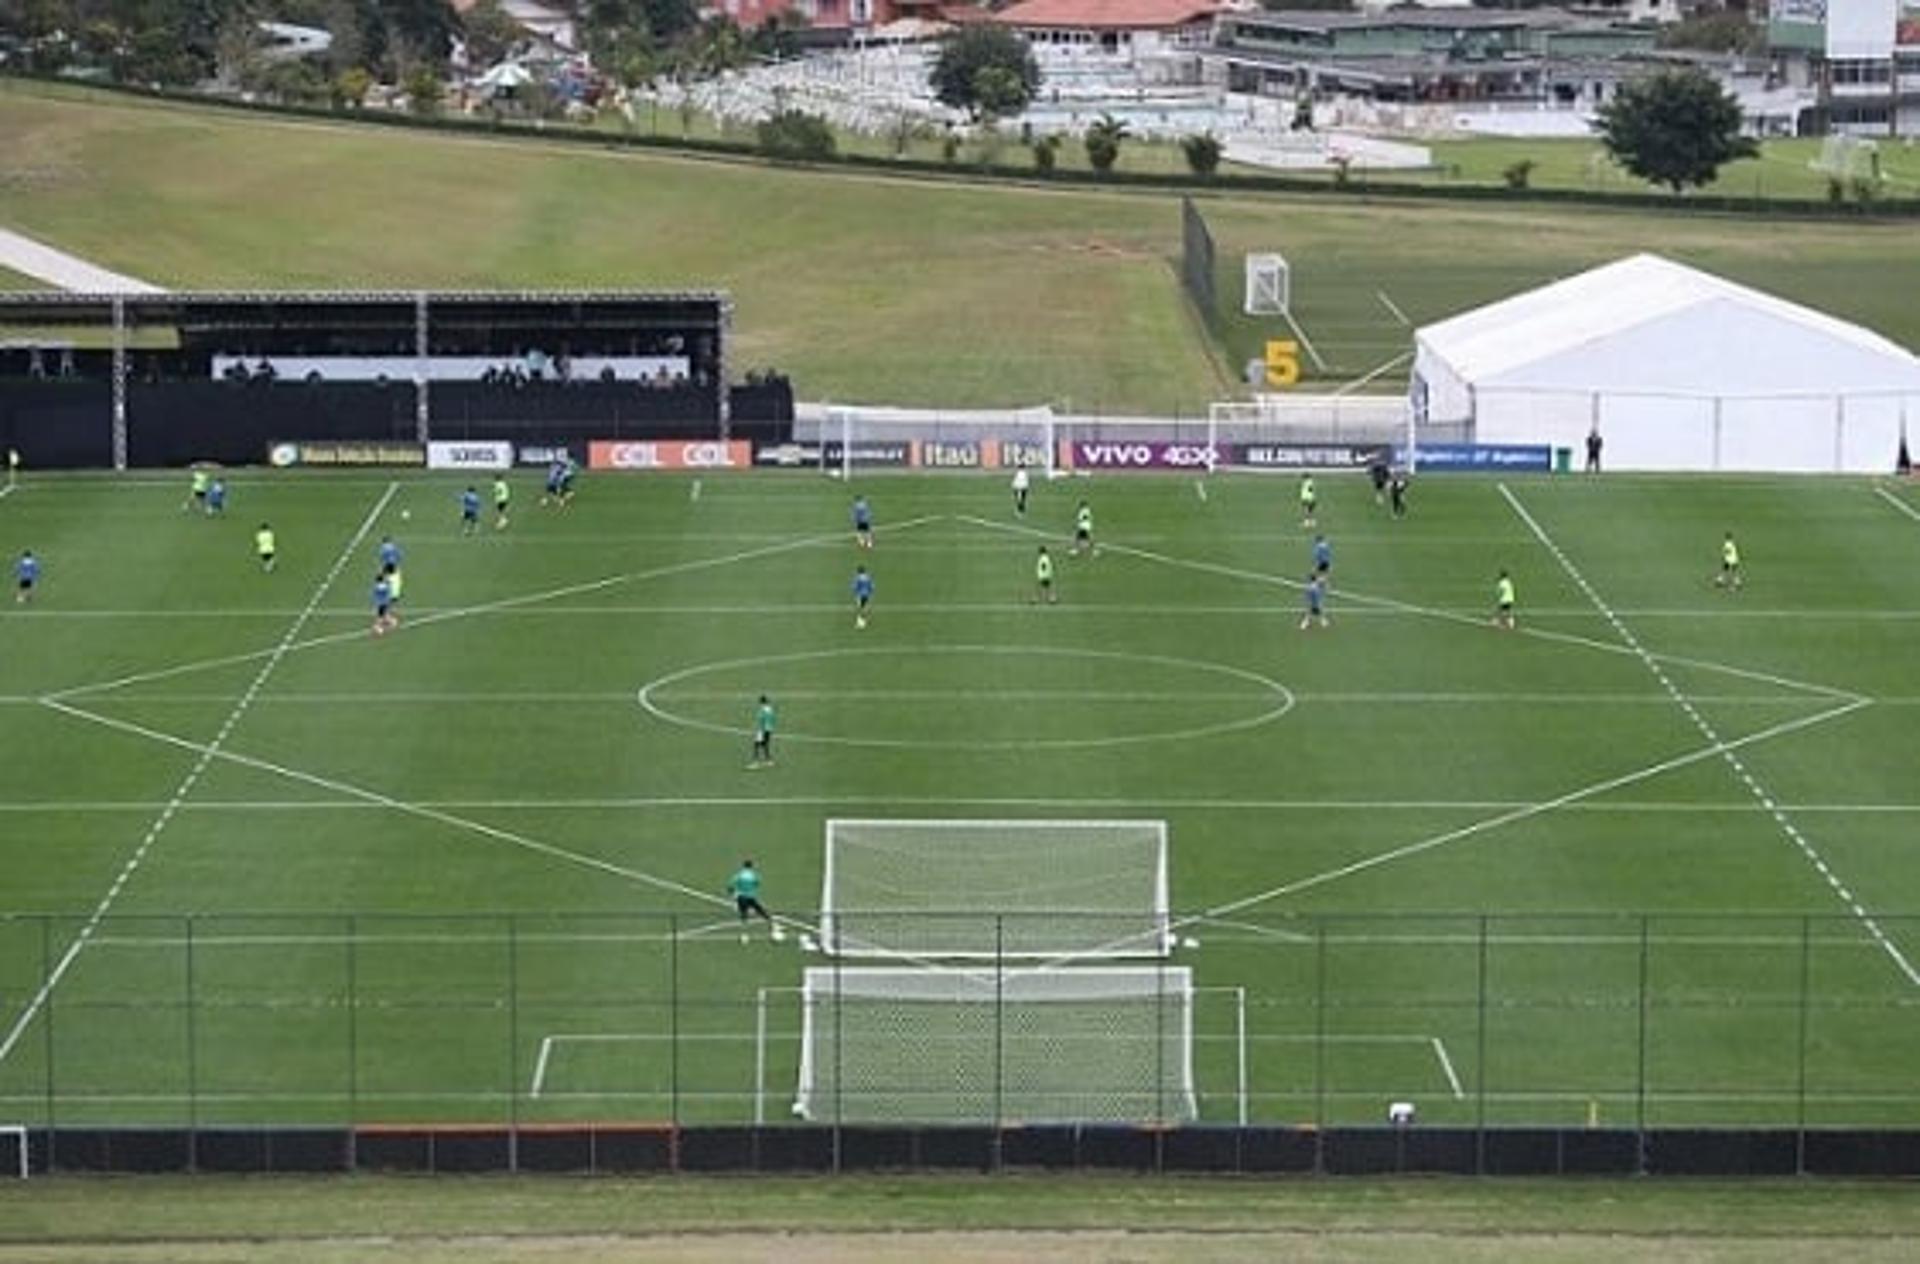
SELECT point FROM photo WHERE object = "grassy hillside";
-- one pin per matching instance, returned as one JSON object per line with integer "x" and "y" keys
{"x": 864, "y": 289}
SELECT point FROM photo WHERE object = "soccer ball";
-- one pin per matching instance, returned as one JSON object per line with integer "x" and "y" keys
{"x": 799, "y": 1111}
{"x": 406, "y": 515}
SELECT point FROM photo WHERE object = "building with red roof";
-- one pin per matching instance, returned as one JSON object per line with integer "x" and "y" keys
{"x": 1117, "y": 26}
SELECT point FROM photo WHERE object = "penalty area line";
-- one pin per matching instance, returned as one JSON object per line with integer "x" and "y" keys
{"x": 1897, "y": 503}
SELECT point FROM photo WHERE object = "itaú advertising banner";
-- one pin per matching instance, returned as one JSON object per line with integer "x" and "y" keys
{"x": 479, "y": 455}
{"x": 669, "y": 454}
{"x": 1130, "y": 454}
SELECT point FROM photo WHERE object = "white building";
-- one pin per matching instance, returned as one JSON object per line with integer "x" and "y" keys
{"x": 1676, "y": 368}
{"x": 1851, "y": 55}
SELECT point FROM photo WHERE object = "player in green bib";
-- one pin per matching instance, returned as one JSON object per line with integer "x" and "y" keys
{"x": 1043, "y": 577}
{"x": 1309, "y": 500}
{"x": 1729, "y": 576}
{"x": 196, "y": 492}
{"x": 1083, "y": 530}
{"x": 762, "y": 755}
{"x": 263, "y": 544}
{"x": 501, "y": 495}
{"x": 744, "y": 887}
{"x": 1503, "y": 602}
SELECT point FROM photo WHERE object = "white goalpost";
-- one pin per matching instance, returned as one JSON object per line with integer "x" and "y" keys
{"x": 1269, "y": 286}
{"x": 994, "y": 890}
{"x": 894, "y": 1044}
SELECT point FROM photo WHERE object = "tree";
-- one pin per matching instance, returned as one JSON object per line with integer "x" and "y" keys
{"x": 956, "y": 75}
{"x": 1519, "y": 175}
{"x": 796, "y": 134}
{"x": 1046, "y": 151}
{"x": 423, "y": 89}
{"x": 1103, "y": 142}
{"x": 1203, "y": 153}
{"x": 350, "y": 86}
{"x": 1676, "y": 128}
{"x": 1715, "y": 31}
{"x": 491, "y": 32}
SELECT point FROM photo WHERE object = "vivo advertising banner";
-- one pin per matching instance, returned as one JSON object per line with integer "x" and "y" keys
{"x": 669, "y": 454}
{"x": 1101, "y": 454}
{"x": 1469, "y": 457}
{"x": 470, "y": 456}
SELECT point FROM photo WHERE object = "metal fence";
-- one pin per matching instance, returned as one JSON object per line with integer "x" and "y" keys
{"x": 1609, "y": 1021}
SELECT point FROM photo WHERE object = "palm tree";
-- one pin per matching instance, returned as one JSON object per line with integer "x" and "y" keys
{"x": 1103, "y": 142}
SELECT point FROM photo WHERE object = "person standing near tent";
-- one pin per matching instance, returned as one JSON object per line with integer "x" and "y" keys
{"x": 1594, "y": 444}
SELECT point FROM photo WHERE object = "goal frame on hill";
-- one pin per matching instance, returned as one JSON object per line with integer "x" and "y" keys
{"x": 944, "y": 922}
{"x": 1106, "y": 1044}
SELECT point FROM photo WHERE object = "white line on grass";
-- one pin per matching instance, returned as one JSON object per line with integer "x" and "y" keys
{"x": 1305, "y": 342}
{"x": 460, "y": 612}
{"x": 1533, "y": 809}
{"x": 375, "y": 798}
{"x": 1707, "y": 730}
{"x": 207, "y": 754}
{"x": 1446, "y": 1064}
{"x": 1405, "y": 607}
{"x": 1897, "y": 503}
{"x": 1393, "y": 307}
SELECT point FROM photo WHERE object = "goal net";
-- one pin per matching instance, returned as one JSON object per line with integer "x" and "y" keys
{"x": 1096, "y": 1044}
{"x": 995, "y": 889}
{"x": 1269, "y": 289}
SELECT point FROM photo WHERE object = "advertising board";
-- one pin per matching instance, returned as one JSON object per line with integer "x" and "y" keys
{"x": 475, "y": 455}
{"x": 1469, "y": 457}
{"x": 669, "y": 454}
{"x": 284, "y": 453}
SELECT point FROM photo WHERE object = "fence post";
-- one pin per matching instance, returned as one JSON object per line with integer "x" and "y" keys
{"x": 673, "y": 1019}
{"x": 1319, "y": 1037}
{"x": 1806, "y": 998}
{"x": 999, "y": 1020}
{"x": 513, "y": 1042}
{"x": 353, "y": 1038}
{"x": 1640, "y": 1075}
{"x": 193, "y": 1062}
{"x": 1480, "y": 1057}
{"x": 46, "y": 1037}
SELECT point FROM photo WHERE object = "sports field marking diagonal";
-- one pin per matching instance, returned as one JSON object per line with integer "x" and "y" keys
{"x": 1393, "y": 308}
{"x": 463, "y": 612}
{"x": 207, "y": 754}
{"x": 1530, "y": 810}
{"x": 1429, "y": 612}
{"x": 1897, "y": 503}
{"x": 375, "y": 798}
{"x": 1707, "y": 730}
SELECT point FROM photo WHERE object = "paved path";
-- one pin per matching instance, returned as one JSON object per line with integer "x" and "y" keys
{"x": 65, "y": 271}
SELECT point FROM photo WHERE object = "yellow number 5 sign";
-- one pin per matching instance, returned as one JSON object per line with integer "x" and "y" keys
{"x": 1283, "y": 362}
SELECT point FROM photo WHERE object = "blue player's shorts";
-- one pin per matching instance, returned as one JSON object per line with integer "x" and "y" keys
{"x": 380, "y": 611}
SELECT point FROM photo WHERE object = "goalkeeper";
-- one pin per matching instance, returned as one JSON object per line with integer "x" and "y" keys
{"x": 744, "y": 887}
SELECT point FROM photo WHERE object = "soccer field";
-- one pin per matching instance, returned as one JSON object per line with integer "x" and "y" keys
{"x": 1641, "y": 860}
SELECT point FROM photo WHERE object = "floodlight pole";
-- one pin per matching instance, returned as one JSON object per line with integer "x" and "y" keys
{"x": 422, "y": 344}
{"x": 119, "y": 383}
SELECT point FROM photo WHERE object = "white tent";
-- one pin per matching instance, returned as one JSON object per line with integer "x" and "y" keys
{"x": 1678, "y": 369}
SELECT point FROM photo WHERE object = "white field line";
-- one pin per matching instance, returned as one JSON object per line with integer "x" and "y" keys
{"x": 961, "y": 695}
{"x": 646, "y": 802}
{"x": 419, "y": 938}
{"x": 1404, "y": 607}
{"x": 1200, "y": 489}
{"x": 1446, "y": 1064}
{"x": 1306, "y": 342}
{"x": 1707, "y": 730}
{"x": 693, "y": 492}
{"x": 491, "y": 607}
{"x": 1393, "y": 307}
{"x": 540, "y": 1065}
{"x": 1531, "y": 810}
{"x": 207, "y": 754}
{"x": 1377, "y": 608}
{"x": 8, "y": 490}
{"x": 1897, "y": 503}
{"x": 375, "y": 798}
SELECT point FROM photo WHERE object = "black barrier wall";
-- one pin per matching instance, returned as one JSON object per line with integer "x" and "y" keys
{"x": 58, "y": 424}
{"x": 602, "y": 1148}
{"x": 174, "y": 423}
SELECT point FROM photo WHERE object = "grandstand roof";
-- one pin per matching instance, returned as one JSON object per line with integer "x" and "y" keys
{"x": 1649, "y": 324}
{"x": 1095, "y": 15}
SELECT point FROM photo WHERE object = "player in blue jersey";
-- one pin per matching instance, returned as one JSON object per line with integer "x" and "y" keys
{"x": 389, "y": 553}
{"x": 862, "y": 595}
{"x": 568, "y": 469}
{"x": 27, "y": 572}
{"x": 1315, "y": 593}
{"x": 1322, "y": 556}
{"x": 217, "y": 498}
{"x": 383, "y": 619}
{"x": 862, "y": 522}
{"x": 469, "y": 511}
{"x": 550, "y": 495}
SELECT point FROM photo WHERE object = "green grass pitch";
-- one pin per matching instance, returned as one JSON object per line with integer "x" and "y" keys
{"x": 432, "y": 868}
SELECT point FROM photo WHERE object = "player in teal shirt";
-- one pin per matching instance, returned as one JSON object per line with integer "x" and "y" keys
{"x": 744, "y": 887}
{"x": 762, "y": 756}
